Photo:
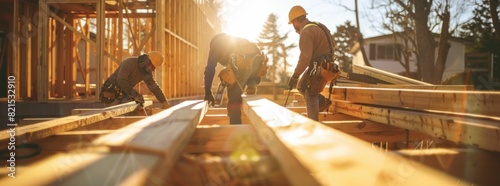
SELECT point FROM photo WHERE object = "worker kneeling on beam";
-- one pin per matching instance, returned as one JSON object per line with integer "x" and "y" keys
{"x": 120, "y": 85}
{"x": 244, "y": 64}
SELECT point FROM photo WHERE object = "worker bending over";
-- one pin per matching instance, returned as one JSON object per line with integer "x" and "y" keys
{"x": 244, "y": 65}
{"x": 120, "y": 85}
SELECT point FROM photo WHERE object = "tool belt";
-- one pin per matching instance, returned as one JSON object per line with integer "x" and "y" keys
{"x": 110, "y": 92}
{"x": 227, "y": 76}
{"x": 328, "y": 69}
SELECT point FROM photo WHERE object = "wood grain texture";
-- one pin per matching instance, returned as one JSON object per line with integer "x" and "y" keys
{"x": 313, "y": 154}
{"x": 479, "y": 132}
{"x": 48, "y": 128}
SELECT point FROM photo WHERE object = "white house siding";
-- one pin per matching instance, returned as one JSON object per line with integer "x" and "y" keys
{"x": 389, "y": 65}
{"x": 454, "y": 62}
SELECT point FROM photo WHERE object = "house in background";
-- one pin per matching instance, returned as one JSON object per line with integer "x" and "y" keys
{"x": 384, "y": 53}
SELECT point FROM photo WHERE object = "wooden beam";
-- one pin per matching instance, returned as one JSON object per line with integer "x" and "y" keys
{"x": 112, "y": 123}
{"x": 29, "y": 121}
{"x": 82, "y": 36}
{"x": 44, "y": 129}
{"x": 473, "y": 102}
{"x": 42, "y": 69}
{"x": 141, "y": 153}
{"x": 231, "y": 139}
{"x": 474, "y": 165}
{"x": 84, "y": 110}
{"x": 100, "y": 50}
{"x": 217, "y": 111}
{"x": 421, "y": 87}
{"x": 312, "y": 154}
{"x": 479, "y": 132}
{"x": 386, "y": 76}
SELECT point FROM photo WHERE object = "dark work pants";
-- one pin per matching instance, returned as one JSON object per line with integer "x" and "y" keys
{"x": 245, "y": 77}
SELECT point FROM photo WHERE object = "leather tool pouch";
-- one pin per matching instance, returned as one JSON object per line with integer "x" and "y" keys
{"x": 329, "y": 70}
{"x": 227, "y": 76}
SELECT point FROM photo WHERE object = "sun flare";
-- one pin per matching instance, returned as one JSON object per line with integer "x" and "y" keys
{"x": 246, "y": 20}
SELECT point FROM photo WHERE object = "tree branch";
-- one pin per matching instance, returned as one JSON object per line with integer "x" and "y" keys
{"x": 494, "y": 16}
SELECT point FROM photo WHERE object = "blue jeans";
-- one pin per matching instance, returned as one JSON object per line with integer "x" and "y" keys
{"x": 312, "y": 102}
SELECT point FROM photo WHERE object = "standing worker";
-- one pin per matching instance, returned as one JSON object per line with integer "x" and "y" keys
{"x": 314, "y": 47}
{"x": 120, "y": 85}
{"x": 244, "y": 65}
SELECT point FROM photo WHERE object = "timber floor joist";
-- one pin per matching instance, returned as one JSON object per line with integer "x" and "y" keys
{"x": 192, "y": 145}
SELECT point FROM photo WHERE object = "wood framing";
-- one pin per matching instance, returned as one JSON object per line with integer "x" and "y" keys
{"x": 312, "y": 154}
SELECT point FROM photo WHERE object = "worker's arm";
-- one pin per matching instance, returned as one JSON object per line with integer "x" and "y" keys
{"x": 155, "y": 88}
{"x": 210, "y": 71}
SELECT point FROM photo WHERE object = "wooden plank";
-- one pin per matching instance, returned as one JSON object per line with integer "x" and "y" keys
{"x": 472, "y": 102}
{"x": 44, "y": 129}
{"x": 479, "y": 132}
{"x": 421, "y": 87}
{"x": 312, "y": 154}
{"x": 141, "y": 153}
{"x": 217, "y": 111}
{"x": 83, "y": 110}
{"x": 29, "y": 121}
{"x": 474, "y": 165}
{"x": 112, "y": 123}
{"x": 231, "y": 139}
{"x": 386, "y": 76}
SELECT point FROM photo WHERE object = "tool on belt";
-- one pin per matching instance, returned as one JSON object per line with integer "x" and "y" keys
{"x": 227, "y": 74}
{"x": 110, "y": 92}
{"x": 219, "y": 95}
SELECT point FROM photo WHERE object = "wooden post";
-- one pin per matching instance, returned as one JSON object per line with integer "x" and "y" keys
{"x": 100, "y": 46}
{"x": 69, "y": 51}
{"x": 43, "y": 79}
{"x": 87, "y": 71}
{"x": 159, "y": 44}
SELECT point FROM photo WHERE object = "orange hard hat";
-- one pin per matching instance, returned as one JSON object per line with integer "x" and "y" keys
{"x": 156, "y": 58}
{"x": 295, "y": 12}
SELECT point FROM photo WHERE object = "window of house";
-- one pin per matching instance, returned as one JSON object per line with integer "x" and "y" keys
{"x": 383, "y": 51}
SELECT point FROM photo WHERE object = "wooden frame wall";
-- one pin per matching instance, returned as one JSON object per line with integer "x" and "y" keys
{"x": 51, "y": 65}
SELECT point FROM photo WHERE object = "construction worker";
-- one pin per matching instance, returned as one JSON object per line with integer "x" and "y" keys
{"x": 313, "y": 45}
{"x": 120, "y": 85}
{"x": 243, "y": 62}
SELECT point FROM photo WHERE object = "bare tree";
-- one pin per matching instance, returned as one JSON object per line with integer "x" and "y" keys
{"x": 494, "y": 5}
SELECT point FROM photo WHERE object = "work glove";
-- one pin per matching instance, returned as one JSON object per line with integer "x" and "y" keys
{"x": 210, "y": 98}
{"x": 292, "y": 83}
{"x": 166, "y": 105}
{"x": 139, "y": 99}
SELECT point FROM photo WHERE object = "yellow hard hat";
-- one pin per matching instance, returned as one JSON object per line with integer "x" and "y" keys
{"x": 156, "y": 58}
{"x": 295, "y": 12}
